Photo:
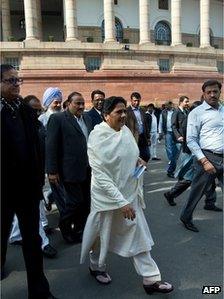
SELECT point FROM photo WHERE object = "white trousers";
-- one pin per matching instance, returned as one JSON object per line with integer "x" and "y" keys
{"x": 16, "y": 235}
{"x": 143, "y": 262}
{"x": 153, "y": 145}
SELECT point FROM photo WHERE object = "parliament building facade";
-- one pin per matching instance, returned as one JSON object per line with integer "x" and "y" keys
{"x": 160, "y": 48}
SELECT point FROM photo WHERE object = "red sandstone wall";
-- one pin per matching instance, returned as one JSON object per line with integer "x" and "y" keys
{"x": 154, "y": 87}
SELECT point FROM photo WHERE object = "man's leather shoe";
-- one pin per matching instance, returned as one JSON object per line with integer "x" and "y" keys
{"x": 156, "y": 159}
{"x": 189, "y": 225}
{"x": 170, "y": 199}
{"x": 170, "y": 175}
{"x": 49, "y": 251}
{"x": 213, "y": 208}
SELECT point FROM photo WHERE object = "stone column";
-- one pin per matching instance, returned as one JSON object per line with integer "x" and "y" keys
{"x": 144, "y": 21}
{"x": 6, "y": 22}
{"x": 39, "y": 19}
{"x": 71, "y": 20}
{"x": 176, "y": 22}
{"x": 109, "y": 21}
{"x": 30, "y": 8}
{"x": 204, "y": 24}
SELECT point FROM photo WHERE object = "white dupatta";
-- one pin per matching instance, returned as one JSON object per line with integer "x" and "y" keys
{"x": 113, "y": 156}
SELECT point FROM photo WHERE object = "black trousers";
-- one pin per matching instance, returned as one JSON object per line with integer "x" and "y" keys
{"x": 143, "y": 148}
{"x": 27, "y": 210}
{"x": 202, "y": 182}
{"x": 77, "y": 202}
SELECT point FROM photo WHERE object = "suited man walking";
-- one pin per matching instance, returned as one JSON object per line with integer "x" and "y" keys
{"x": 98, "y": 98}
{"x": 165, "y": 128}
{"x": 178, "y": 118}
{"x": 67, "y": 162}
{"x": 136, "y": 121}
{"x": 21, "y": 180}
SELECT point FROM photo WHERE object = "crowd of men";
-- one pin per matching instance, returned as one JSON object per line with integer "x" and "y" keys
{"x": 52, "y": 140}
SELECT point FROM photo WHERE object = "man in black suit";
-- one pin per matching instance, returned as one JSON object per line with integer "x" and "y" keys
{"x": 21, "y": 180}
{"x": 67, "y": 162}
{"x": 136, "y": 121}
{"x": 97, "y": 97}
{"x": 165, "y": 128}
{"x": 178, "y": 118}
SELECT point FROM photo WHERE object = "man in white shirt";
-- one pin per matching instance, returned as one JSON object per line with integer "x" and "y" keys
{"x": 152, "y": 119}
{"x": 205, "y": 139}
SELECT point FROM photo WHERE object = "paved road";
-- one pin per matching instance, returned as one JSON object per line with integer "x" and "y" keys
{"x": 188, "y": 260}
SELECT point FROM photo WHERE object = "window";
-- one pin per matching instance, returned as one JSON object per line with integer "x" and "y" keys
{"x": 115, "y": 2}
{"x": 92, "y": 63}
{"x": 22, "y": 24}
{"x": 118, "y": 30}
{"x": 162, "y": 33}
{"x": 163, "y": 4}
{"x": 164, "y": 65}
{"x": 220, "y": 66}
{"x": 14, "y": 61}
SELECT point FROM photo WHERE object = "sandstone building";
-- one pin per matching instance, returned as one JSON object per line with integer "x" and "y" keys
{"x": 161, "y": 48}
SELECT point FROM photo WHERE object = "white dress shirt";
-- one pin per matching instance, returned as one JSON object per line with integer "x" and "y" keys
{"x": 83, "y": 126}
{"x": 139, "y": 119}
{"x": 205, "y": 130}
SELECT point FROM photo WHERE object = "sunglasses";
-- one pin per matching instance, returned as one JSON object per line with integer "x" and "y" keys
{"x": 13, "y": 81}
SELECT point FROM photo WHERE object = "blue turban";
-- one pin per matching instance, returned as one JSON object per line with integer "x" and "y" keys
{"x": 51, "y": 94}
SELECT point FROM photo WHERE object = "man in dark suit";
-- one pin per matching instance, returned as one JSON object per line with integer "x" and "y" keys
{"x": 137, "y": 123}
{"x": 165, "y": 128}
{"x": 21, "y": 180}
{"x": 178, "y": 118}
{"x": 97, "y": 97}
{"x": 67, "y": 162}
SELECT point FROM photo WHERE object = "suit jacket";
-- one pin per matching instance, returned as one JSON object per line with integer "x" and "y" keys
{"x": 149, "y": 119}
{"x": 177, "y": 120}
{"x": 131, "y": 123}
{"x": 66, "y": 147}
{"x": 163, "y": 119}
{"x": 20, "y": 178}
{"x": 95, "y": 117}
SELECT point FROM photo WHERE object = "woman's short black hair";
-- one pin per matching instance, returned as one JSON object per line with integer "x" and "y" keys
{"x": 110, "y": 104}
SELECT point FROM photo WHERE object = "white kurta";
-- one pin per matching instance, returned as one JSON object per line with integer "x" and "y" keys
{"x": 113, "y": 156}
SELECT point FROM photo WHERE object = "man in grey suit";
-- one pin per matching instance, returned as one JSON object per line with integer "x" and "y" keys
{"x": 205, "y": 139}
{"x": 67, "y": 162}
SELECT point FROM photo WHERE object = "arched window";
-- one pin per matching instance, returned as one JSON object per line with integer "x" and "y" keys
{"x": 162, "y": 33}
{"x": 118, "y": 30}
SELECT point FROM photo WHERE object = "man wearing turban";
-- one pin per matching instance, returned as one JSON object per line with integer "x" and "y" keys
{"x": 52, "y": 100}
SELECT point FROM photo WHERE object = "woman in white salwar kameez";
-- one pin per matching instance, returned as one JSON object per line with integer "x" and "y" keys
{"x": 116, "y": 222}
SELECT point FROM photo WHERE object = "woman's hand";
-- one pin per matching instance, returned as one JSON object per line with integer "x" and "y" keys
{"x": 128, "y": 212}
{"x": 141, "y": 162}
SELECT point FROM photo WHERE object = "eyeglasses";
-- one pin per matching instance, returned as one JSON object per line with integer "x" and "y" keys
{"x": 13, "y": 81}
